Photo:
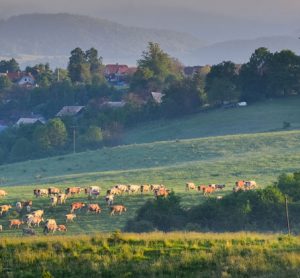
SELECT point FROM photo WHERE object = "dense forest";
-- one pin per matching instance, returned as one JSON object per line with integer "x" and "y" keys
{"x": 83, "y": 83}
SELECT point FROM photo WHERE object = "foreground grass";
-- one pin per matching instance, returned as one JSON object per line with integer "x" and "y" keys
{"x": 152, "y": 255}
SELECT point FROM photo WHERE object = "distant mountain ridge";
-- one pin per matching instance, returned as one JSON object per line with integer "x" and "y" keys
{"x": 58, "y": 34}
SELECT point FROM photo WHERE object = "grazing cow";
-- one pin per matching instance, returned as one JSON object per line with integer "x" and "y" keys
{"x": 70, "y": 217}
{"x": 77, "y": 206}
{"x": 117, "y": 208}
{"x": 73, "y": 190}
{"x": 122, "y": 187}
{"x": 34, "y": 221}
{"x": 19, "y": 206}
{"x": 154, "y": 187}
{"x": 61, "y": 198}
{"x": 39, "y": 192}
{"x": 190, "y": 186}
{"x": 61, "y": 228}
{"x": 114, "y": 191}
{"x": 94, "y": 208}
{"x": 26, "y": 203}
{"x": 28, "y": 231}
{"x": 250, "y": 185}
{"x": 3, "y": 193}
{"x": 220, "y": 186}
{"x": 132, "y": 188}
{"x": 201, "y": 187}
{"x": 53, "y": 191}
{"x": 212, "y": 186}
{"x": 145, "y": 188}
{"x": 15, "y": 223}
{"x": 162, "y": 192}
{"x": 92, "y": 190}
{"x": 109, "y": 199}
{"x": 53, "y": 201}
{"x": 4, "y": 209}
{"x": 208, "y": 190}
{"x": 50, "y": 226}
{"x": 38, "y": 213}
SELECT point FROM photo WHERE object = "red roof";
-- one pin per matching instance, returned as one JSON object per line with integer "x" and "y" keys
{"x": 116, "y": 69}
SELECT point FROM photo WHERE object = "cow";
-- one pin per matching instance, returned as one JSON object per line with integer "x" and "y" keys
{"x": 92, "y": 190}
{"x": 122, "y": 187}
{"x": 208, "y": 190}
{"x": 19, "y": 206}
{"x": 61, "y": 228}
{"x": 239, "y": 185}
{"x": 114, "y": 191}
{"x": 50, "y": 226}
{"x": 3, "y": 193}
{"x": 117, "y": 208}
{"x": 61, "y": 198}
{"x": 70, "y": 217}
{"x": 38, "y": 213}
{"x": 190, "y": 186}
{"x": 94, "y": 208}
{"x": 132, "y": 188}
{"x": 73, "y": 190}
{"x": 109, "y": 199}
{"x": 145, "y": 188}
{"x": 15, "y": 223}
{"x": 39, "y": 192}
{"x": 53, "y": 201}
{"x": 162, "y": 192}
{"x": 4, "y": 209}
{"x": 220, "y": 186}
{"x": 250, "y": 185}
{"x": 154, "y": 187}
{"x": 212, "y": 186}
{"x": 26, "y": 203}
{"x": 53, "y": 191}
{"x": 34, "y": 221}
{"x": 28, "y": 231}
{"x": 201, "y": 187}
{"x": 77, "y": 206}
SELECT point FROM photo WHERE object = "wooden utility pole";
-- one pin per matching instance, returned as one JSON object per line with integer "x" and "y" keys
{"x": 74, "y": 139}
{"x": 287, "y": 215}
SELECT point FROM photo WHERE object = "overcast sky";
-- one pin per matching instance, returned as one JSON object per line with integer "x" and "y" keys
{"x": 242, "y": 16}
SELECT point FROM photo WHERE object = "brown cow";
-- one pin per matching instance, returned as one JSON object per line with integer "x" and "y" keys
{"x": 3, "y": 193}
{"x": 190, "y": 186}
{"x": 117, "y": 208}
{"x": 38, "y": 213}
{"x": 208, "y": 190}
{"x": 154, "y": 187}
{"x": 53, "y": 190}
{"x": 34, "y": 221}
{"x": 94, "y": 208}
{"x": 39, "y": 192}
{"x": 201, "y": 187}
{"x": 73, "y": 190}
{"x": 76, "y": 206}
{"x": 15, "y": 223}
{"x": 61, "y": 228}
{"x": 26, "y": 203}
{"x": 4, "y": 208}
{"x": 70, "y": 217}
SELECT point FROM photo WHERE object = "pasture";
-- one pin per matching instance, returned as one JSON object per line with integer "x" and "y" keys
{"x": 152, "y": 255}
{"x": 224, "y": 159}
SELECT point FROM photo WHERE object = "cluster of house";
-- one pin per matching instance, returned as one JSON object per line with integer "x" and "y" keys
{"x": 21, "y": 78}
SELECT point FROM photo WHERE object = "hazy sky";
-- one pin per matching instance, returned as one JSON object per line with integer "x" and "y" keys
{"x": 243, "y": 18}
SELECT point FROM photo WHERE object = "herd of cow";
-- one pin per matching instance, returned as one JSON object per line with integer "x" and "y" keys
{"x": 56, "y": 197}
{"x": 33, "y": 218}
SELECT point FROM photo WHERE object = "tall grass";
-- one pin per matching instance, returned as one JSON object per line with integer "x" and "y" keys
{"x": 149, "y": 255}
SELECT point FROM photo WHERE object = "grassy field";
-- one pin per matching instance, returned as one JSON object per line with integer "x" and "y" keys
{"x": 223, "y": 159}
{"x": 264, "y": 116}
{"x": 152, "y": 255}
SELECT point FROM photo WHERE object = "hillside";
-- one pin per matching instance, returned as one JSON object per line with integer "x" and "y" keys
{"x": 32, "y": 36}
{"x": 265, "y": 116}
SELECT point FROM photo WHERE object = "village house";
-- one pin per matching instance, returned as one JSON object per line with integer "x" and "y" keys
{"x": 27, "y": 121}
{"x": 70, "y": 111}
{"x": 115, "y": 73}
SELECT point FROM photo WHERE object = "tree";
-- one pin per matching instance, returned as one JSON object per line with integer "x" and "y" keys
{"x": 9, "y": 66}
{"x": 156, "y": 70}
{"x": 222, "y": 83}
{"x": 5, "y": 82}
{"x": 41, "y": 138}
{"x": 290, "y": 184}
{"x": 57, "y": 132}
{"x": 93, "y": 137}
{"x": 78, "y": 67}
{"x": 21, "y": 150}
{"x": 94, "y": 61}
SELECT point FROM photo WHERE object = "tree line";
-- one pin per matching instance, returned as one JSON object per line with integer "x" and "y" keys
{"x": 265, "y": 75}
